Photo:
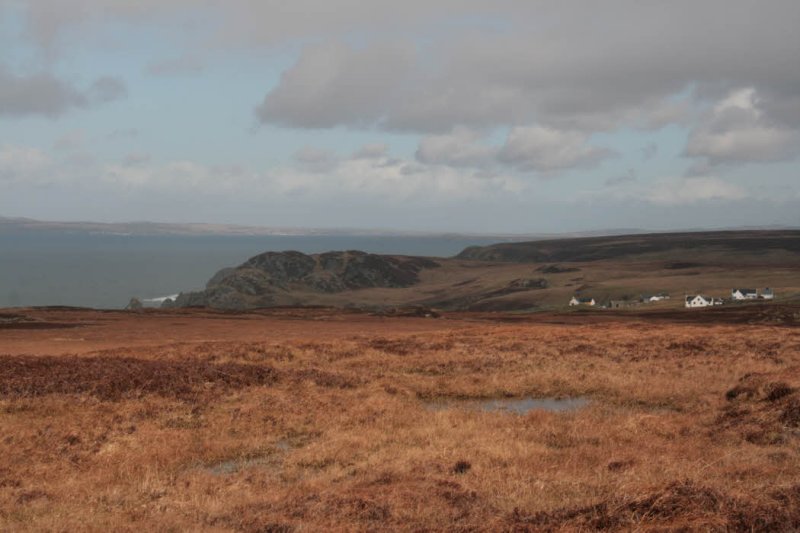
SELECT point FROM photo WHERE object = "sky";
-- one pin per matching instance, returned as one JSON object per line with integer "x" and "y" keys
{"x": 437, "y": 115}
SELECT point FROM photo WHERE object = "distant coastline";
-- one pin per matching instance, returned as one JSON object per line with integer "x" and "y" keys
{"x": 148, "y": 228}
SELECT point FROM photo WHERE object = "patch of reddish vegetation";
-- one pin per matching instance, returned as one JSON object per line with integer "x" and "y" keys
{"x": 114, "y": 378}
{"x": 682, "y": 506}
{"x": 764, "y": 408}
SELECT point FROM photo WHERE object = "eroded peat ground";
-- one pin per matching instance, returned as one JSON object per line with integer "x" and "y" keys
{"x": 309, "y": 420}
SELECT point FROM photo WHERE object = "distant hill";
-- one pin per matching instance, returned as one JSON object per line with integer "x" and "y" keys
{"x": 621, "y": 246}
{"x": 516, "y": 276}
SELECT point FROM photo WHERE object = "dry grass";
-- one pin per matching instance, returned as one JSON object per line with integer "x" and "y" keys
{"x": 689, "y": 427}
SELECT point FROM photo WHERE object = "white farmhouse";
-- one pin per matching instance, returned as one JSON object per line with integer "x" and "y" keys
{"x": 698, "y": 300}
{"x": 581, "y": 301}
{"x": 768, "y": 294}
{"x": 744, "y": 294}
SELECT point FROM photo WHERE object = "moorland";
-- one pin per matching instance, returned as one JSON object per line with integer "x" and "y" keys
{"x": 515, "y": 276}
{"x": 322, "y": 419}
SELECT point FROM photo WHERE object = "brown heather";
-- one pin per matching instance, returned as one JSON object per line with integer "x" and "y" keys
{"x": 312, "y": 420}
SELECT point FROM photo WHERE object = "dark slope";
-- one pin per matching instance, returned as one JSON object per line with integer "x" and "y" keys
{"x": 603, "y": 248}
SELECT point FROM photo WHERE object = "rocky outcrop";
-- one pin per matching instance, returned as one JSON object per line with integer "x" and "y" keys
{"x": 282, "y": 278}
{"x": 134, "y": 305}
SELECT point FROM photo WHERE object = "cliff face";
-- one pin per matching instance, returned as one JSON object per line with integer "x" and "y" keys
{"x": 281, "y": 278}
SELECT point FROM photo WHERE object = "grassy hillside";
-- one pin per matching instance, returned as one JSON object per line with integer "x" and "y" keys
{"x": 545, "y": 274}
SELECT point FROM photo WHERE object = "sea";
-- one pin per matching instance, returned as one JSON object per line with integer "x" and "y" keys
{"x": 104, "y": 271}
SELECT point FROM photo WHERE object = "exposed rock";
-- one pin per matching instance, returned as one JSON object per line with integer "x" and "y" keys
{"x": 134, "y": 305}
{"x": 217, "y": 278}
{"x": 191, "y": 299}
{"x": 281, "y": 278}
{"x": 281, "y": 267}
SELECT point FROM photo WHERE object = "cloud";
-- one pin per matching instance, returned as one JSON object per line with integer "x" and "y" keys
{"x": 527, "y": 149}
{"x": 334, "y": 84}
{"x": 547, "y": 150}
{"x": 315, "y": 159}
{"x": 37, "y": 94}
{"x": 737, "y": 130}
{"x": 374, "y": 181}
{"x": 23, "y": 164}
{"x": 44, "y": 94}
{"x": 566, "y": 65}
{"x": 392, "y": 180}
{"x": 136, "y": 159}
{"x": 462, "y": 147}
{"x": 692, "y": 190}
{"x": 371, "y": 151}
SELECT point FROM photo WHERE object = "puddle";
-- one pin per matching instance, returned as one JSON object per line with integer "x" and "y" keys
{"x": 518, "y": 406}
{"x": 231, "y": 466}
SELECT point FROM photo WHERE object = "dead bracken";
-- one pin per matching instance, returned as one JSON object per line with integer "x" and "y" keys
{"x": 113, "y": 378}
{"x": 305, "y": 420}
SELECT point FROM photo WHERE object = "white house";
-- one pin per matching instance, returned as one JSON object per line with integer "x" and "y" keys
{"x": 744, "y": 294}
{"x": 581, "y": 301}
{"x": 768, "y": 294}
{"x": 658, "y": 297}
{"x": 698, "y": 300}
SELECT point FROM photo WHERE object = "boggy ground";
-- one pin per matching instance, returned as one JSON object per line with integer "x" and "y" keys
{"x": 309, "y": 420}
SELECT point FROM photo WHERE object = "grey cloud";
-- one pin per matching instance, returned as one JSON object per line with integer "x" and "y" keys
{"x": 37, "y": 94}
{"x": 50, "y": 22}
{"x": 548, "y": 150}
{"x": 460, "y": 148}
{"x": 692, "y": 190}
{"x": 334, "y": 84}
{"x": 44, "y": 94}
{"x": 591, "y": 67}
{"x": 569, "y": 64}
{"x": 737, "y": 129}
{"x": 136, "y": 159}
{"x": 371, "y": 151}
{"x": 315, "y": 159}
